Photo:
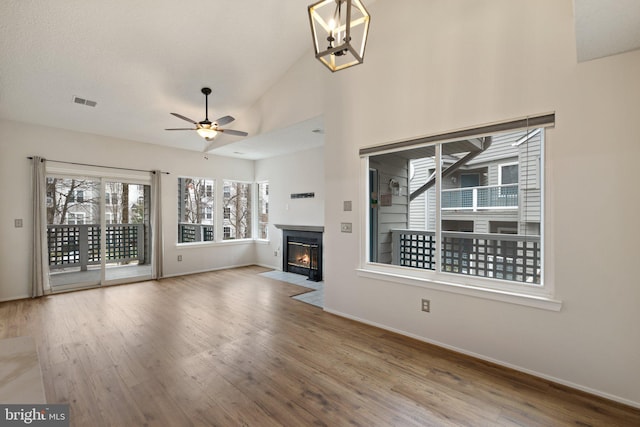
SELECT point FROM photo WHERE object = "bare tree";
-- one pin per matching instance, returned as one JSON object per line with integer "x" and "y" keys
{"x": 63, "y": 198}
{"x": 125, "y": 203}
{"x": 195, "y": 200}
{"x": 237, "y": 206}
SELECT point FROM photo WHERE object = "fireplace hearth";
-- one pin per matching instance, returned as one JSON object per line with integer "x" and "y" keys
{"x": 302, "y": 250}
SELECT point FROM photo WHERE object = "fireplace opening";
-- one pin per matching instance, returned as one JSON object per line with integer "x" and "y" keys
{"x": 302, "y": 253}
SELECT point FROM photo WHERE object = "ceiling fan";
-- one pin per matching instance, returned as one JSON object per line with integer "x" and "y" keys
{"x": 207, "y": 129}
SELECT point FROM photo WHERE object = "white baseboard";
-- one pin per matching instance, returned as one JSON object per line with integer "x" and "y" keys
{"x": 17, "y": 297}
{"x": 269, "y": 266}
{"x": 492, "y": 360}
{"x": 166, "y": 276}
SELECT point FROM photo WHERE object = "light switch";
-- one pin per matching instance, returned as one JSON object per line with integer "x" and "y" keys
{"x": 17, "y": 223}
{"x": 345, "y": 227}
{"x": 347, "y": 206}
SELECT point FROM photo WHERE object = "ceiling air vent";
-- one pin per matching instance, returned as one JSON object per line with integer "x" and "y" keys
{"x": 82, "y": 101}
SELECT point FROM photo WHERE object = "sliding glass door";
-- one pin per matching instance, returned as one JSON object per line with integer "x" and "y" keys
{"x": 73, "y": 231}
{"x": 97, "y": 231}
{"x": 127, "y": 240}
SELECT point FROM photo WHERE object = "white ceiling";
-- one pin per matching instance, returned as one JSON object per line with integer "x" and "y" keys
{"x": 301, "y": 136}
{"x": 606, "y": 28}
{"x": 140, "y": 60}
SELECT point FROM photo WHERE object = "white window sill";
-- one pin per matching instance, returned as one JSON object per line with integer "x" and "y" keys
{"x": 238, "y": 241}
{"x": 212, "y": 244}
{"x": 536, "y": 301}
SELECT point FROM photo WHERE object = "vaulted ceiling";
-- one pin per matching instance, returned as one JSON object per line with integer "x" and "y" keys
{"x": 140, "y": 60}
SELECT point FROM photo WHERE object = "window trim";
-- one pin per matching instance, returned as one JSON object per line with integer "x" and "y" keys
{"x": 379, "y": 272}
{"x": 500, "y": 174}
{"x": 76, "y": 216}
{"x": 501, "y": 192}
{"x": 540, "y": 296}
{"x": 535, "y": 121}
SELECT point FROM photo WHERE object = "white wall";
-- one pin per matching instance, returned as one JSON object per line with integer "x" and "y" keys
{"x": 440, "y": 65}
{"x": 17, "y": 141}
{"x": 301, "y": 172}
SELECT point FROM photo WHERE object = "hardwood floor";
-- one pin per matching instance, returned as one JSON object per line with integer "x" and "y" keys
{"x": 231, "y": 348}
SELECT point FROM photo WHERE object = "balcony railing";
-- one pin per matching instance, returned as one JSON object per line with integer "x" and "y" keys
{"x": 78, "y": 245}
{"x": 189, "y": 233}
{"x": 479, "y": 198}
{"x": 511, "y": 257}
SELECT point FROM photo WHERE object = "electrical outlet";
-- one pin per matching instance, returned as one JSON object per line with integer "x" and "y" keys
{"x": 275, "y": 253}
{"x": 17, "y": 223}
{"x": 426, "y": 305}
{"x": 179, "y": 257}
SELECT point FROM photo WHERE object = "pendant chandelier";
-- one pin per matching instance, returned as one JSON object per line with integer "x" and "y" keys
{"x": 339, "y": 29}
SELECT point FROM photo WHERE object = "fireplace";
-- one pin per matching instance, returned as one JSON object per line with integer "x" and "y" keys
{"x": 302, "y": 250}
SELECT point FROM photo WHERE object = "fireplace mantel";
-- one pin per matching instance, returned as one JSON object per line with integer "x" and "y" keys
{"x": 315, "y": 228}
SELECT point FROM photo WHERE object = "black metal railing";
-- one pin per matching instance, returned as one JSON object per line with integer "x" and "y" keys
{"x": 189, "y": 233}
{"x": 510, "y": 257}
{"x": 78, "y": 245}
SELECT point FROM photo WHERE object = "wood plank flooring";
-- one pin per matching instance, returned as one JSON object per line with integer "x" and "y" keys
{"x": 230, "y": 348}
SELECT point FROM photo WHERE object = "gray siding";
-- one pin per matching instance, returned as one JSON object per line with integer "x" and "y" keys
{"x": 530, "y": 180}
{"x": 422, "y": 208}
{"x": 487, "y": 165}
{"x": 390, "y": 166}
{"x": 418, "y": 208}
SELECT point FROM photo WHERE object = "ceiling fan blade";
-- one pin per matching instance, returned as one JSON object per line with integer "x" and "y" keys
{"x": 224, "y": 120}
{"x": 233, "y": 132}
{"x": 180, "y": 116}
{"x": 181, "y": 129}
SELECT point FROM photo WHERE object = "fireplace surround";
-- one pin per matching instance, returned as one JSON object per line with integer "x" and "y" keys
{"x": 302, "y": 250}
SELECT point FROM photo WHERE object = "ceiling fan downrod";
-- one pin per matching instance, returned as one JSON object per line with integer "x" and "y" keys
{"x": 206, "y": 91}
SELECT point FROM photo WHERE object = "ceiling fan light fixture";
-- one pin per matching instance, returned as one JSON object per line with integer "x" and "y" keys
{"x": 339, "y": 29}
{"x": 207, "y": 129}
{"x": 207, "y": 133}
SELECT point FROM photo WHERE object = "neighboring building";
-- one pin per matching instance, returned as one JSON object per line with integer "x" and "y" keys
{"x": 503, "y": 181}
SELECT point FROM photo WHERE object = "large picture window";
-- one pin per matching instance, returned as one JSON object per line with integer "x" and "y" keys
{"x": 195, "y": 210}
{"x": 467, "y": 206}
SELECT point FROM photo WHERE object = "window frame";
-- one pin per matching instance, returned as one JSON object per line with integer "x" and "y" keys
{"x": 76, "y": 216}
{"x": 501, "y": 166}
{"x": 540, "y": 296}
{"x": 250, "y": 201}
{"x": 209, "y": 183}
